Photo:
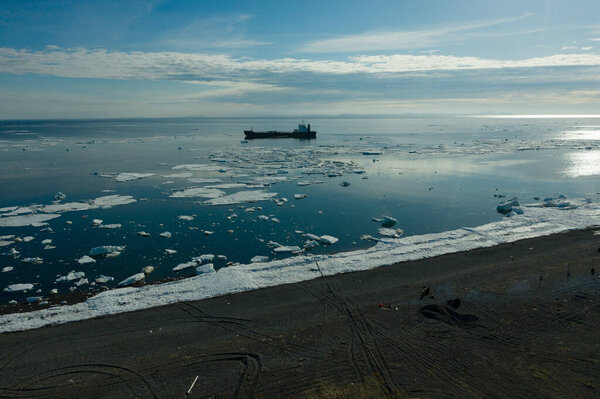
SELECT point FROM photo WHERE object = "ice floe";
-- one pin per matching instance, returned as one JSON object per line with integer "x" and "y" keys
{"x": 60, "y": 196}
{"x": 33, "y": 299}
{"x": 102, "y": 279}
{"x": 85, "y": 260}
{"x": 327, "y": 239}
{"x": 507, "y": 206}
{"x": 387, "y": 221}
{"x": 193, "y": 167}
{"x": 80, "y": 282}
{"x": 128, "y": 176}
{"x": 204, "y": 258}
{"x": 241, "y": 197}
{"x": 18, "y": 287}
{"x": 198, "y": 192}
{"x": 25, "y": 216}
{"x": 136, "y": 278}
{"x": 259, "y": 258}
{"x": 71, "y": 276}
{"x": 185, "y": 265}
{"x": 182, "y": 175}
{"x": 25, "y": 220}
{"x": 204, "y": 269}
{"x": 165, "y": 234}
{"x": 536, "y": 221}
{"x": 35, "y": 260}
{"x": 7, "y": 269}
{"x": 285, "y": 248}
{"x": 185, "y": 217}
{"x": 199, "y": 180}
{"x": 387, "y": 232}
{"x": 111, "y": 226}
{"x": 107, "y": 250}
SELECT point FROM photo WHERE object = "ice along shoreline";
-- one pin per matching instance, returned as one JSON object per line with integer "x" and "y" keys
{"x": 535, "y": 222}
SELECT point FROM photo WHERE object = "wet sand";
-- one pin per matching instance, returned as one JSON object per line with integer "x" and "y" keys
{"x": 527, "y": 326}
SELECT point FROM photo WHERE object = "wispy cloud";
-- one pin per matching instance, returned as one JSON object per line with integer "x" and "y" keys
{"x": 137, "y": 65}
{"x": 223, "y": 32}
{"x": 216, "y": 89}
{"x": 396, "y": 40}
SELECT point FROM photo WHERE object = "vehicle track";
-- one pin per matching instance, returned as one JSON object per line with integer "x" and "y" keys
{"x": 250, "y": 333}
{"x": 53, "y": 383}
{"x": 368, "y": 343}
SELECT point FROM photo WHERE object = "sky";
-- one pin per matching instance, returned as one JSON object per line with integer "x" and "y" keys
{"x": 95, "y": 59}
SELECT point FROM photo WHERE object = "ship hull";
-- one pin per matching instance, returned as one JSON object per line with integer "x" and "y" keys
{"x": 250, "y": 134}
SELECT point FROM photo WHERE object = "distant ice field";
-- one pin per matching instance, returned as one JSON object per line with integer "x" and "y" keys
{"x": 167, "y": 193}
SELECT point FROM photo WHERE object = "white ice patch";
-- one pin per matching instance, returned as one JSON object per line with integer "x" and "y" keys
{"x": 85, "y": 260}
{"x": 228, "y": 185}
{"x": 259, "y": 258}
{"x": 7, "y": 269}
{"x": 387, "y": 232}
{"x": 128, "y": 176}
{"x": 20, "y": 218}
{"x": 285, "y": 248}
{"x": 25, "y": 220}
{"x": 199, "y": 180}
{"x": 205, "y": 269}
{"x": 204, "y": 258}
{"x": 110, "y": 226}
{"x": 186, "y": 265}
{"x": 132, "y": 279}
{"x": 106, "y": 250}
{"x": 198, "y": 192}
{"x": 34, "y": 261}
{"x": 70, "y": 277}
{"x": 192, "y": 167}
{"x": 241, "y": 197}
{"x": 81, "y": 282}
{"x": 102, "y": 279}
{"x": 269, "y": 179}
{"x": 536, "y": 221}
{"x": 166, "y": 234}
{"x": 18, "y": 287}
{"x": 182, "y": 175}
{"x": 326, "y": 239}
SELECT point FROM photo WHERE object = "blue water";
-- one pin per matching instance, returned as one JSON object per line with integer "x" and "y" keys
{"x": 425, "y": 178}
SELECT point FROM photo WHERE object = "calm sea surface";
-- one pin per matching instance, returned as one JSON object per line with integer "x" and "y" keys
{"x": 431, "y": 174}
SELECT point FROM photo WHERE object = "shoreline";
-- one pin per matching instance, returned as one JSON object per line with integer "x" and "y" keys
{"x": 327, "y": 337}
{"x": 536, "y": 221}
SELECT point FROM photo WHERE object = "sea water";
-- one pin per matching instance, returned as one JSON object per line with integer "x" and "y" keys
{"x": 431, "y": 174}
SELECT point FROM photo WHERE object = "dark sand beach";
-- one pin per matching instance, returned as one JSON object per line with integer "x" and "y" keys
{"x": 526, "y": 327}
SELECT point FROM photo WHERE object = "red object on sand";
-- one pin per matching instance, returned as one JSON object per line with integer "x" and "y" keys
{"x": 381, "y": 305}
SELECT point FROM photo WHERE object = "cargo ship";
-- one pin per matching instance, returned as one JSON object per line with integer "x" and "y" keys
{"x": 303, "y": 132}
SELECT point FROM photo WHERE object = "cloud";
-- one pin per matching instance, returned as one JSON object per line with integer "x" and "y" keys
{"x": 222, "y": 32}
{"x": 395, "y": 40}
{"x": 216, "y": 89}
{"x": 138, "y": 65}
